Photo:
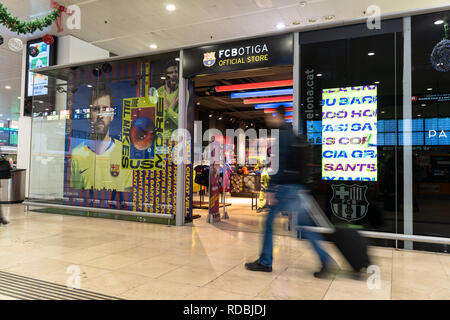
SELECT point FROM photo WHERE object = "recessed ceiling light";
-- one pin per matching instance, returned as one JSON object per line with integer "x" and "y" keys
{"x": 419, "y": 115}
{"x": 7, "y": 87}
{"x": 281, "y": 26}
{"x": 220, "y": 118}
{"x": 319, "y": 74}
{"x": 171, "y": 7}
{"x": 163, "y": 78}
{"x": 90, "y": 86}
{"x": 377, "y": 82}
{"x": 153, "y": 46}
{"x": 424, "y": 105}
{"x": 210, "y": 115}
{"x": 382, "y": 112}
{"x": 177, "y": 59}
{"x": 430, "y": 89}
{"x": 371, "y": 54}
{"x": 439, "y": 22}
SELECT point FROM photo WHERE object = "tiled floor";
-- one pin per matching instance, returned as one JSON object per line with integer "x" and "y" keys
{"x": 200, "y": 261}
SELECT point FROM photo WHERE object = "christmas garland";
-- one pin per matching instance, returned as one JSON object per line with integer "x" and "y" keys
{"x": 25, "y": 27}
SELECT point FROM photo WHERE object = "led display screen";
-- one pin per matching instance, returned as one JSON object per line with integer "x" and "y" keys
{"x": 349, "y": 134}
{"x": 37, "y": 81}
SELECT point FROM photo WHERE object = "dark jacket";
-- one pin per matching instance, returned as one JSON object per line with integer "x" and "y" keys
{"x": 294, "y": 156}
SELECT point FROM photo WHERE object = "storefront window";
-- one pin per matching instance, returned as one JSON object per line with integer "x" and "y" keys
{"x": 105, "y": 138}
{"x": 431, "y": 116}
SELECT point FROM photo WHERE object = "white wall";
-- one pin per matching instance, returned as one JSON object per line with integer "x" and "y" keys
{"x": 23, "y": 146}
{"x": 74, "y": 50}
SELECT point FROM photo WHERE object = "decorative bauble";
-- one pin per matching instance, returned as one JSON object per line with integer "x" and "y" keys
{"x": 106, "y": 67}
{"x": 33, "y": 51}
{"x": 15, "y": 44}
{"x": 97, "y": 72}
{"x": 440, "y": 57}
{"x": 1, "y": 40}
{"x": 48, "y": 39}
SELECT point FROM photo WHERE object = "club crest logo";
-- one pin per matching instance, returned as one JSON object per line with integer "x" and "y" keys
{"x": 349, "y": 202}
{"x": 209, "y": 59}
{"x": 115, "y": 170}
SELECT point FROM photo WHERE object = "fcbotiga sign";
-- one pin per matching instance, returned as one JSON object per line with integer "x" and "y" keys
{"x": 234, "y": 56}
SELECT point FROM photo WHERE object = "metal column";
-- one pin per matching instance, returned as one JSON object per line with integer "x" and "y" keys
{"x": 407, "y": 137}
{"x": 297, "y": 126}
{"x": 181, "y": 169}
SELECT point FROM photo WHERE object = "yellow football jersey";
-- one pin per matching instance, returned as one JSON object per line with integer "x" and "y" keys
{"x": 91, "y": 171}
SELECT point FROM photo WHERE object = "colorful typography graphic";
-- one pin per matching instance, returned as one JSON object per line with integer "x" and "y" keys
{"x": 349, "y": 134}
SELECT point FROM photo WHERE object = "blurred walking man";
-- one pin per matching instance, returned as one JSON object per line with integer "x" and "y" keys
{"x": 293, "y": 176}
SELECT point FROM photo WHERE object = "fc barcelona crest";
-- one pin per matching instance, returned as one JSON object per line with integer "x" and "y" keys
{"x": 209, "y": 59}
{"x": 115, "y": 170}
{"x": 349, "y": 202}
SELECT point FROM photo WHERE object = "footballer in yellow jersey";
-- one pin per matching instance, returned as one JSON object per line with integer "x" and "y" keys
{"x": 92, "y": 171}
{"x": 96, "y": 163}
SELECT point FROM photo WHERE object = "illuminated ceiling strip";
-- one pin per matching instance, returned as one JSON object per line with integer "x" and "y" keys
{"x": 269, "y": 100}
{"x": 256, "y": 85}
{"x": 275, "y": 110}
{"x": 274, "y": 105}
{"x": 266, "y": 93}
{"x": 287, "y": 115}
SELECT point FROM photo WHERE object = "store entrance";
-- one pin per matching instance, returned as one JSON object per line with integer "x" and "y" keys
{"x": 232, "y": 101}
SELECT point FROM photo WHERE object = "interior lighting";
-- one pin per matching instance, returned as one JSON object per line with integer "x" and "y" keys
{"x": 267, "y": 93}
{"x": 269, "y": 100}
{"x": 275, "y": 110}
{"x": 274, "y": 105}
{"x": 171, "y": 7}
{"x": 256, "y": 85}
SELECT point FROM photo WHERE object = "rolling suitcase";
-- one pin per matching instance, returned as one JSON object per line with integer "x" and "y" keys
{"x": 349, "y": 241}
{"x": 352, "y": 246}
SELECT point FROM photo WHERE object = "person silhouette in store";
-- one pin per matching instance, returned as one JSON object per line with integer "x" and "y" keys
{"x": 293, "y": 176}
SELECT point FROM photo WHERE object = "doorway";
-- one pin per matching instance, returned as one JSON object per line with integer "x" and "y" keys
{"x": 232, "y": 101}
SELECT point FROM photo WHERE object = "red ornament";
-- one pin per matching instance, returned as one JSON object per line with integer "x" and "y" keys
{"x": 48, "y": 39}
